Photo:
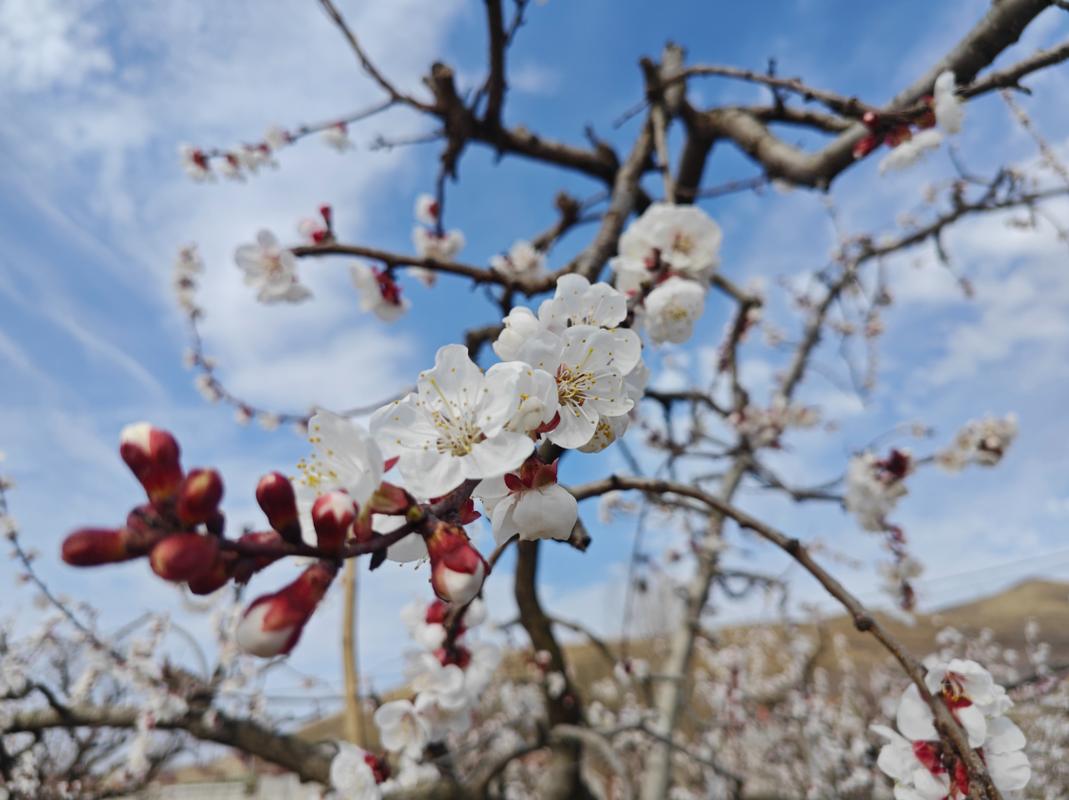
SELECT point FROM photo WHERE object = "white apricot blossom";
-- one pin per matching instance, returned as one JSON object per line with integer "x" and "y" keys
{"x": 337, "y": 137}
{"x": 911, "y": 151}
{"x": 529, "y": 504}
{"x": 590, "y": 387}
{"x": 523, "y": 262}
{"x": 277, "y": 137}
{"x": 672, "y": 308}
{"x": 402, "y": 729}
{"x": 424, "y": 629}
{"x": 379, "y": 292}
{"x": 344, "y": 458}
{"x": 538, "y": 403}
{"x": 874, "y": 486}
{"x": 351, "y": 774}
{"x": 684, "y": 240}
{"x": 271, "y": 269}
{"x": 520, "y": 326}
{"x": 983, "y": 442}
{"x": 195, "y": 163}
{"x": 426, "y": 210}
{"x": 454, "y": 426}
{"x": 438, "y": 247}
{"x": 578, "y": 302}
{"x": 610, "y": 429}
{"x": 949, "y": 108}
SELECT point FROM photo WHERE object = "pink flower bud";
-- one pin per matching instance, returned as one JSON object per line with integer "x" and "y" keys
{"x": 152, "y": 455}
{"x": 457, "y": 568}
{"x": 184, "y": 556}
{"x": 273, "y": 623}
{"x": 199, "y": 496}
{"x": 275, "y": 495}
{"x": 333, "y": 514}
{"x": 90, "y": 547}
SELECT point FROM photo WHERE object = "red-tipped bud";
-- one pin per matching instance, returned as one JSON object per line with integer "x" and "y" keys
{"x": 152, "y": 455}
{"x": 216, "y": 578}
{"x": 380, "y": 769}
{"x": 273, "y": 623}
{"x": 333, "y": 514}
{"x": 90, "y": 547}
{"x": 248, "y": 566}
{"x": 457, "y": 654}
{"x": 927, "y": 117}
{"x": 275, "y": 495}
{"x": 871, "y": 120}
{"x": 390, "y": 499}
{"x": 866, "y": 144}
{"x": 327, "y": 213}
{"x": 199, "y": 496}
{"x": 457, "y": 568}
{"x": 184, "y": 556}
{"x": 898, "y": 135}
{"x": 436, "y": 613}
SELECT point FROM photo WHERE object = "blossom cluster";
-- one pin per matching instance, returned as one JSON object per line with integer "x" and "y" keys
{"x": 920, "y": 762}
{"x": 944, "y": 115}
{"x": 247, "y": 159}
{"x": 667, "y": 258}
{"x": 874, "y": 486}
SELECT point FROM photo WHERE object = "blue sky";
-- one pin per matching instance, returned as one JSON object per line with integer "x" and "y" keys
{"x": 93, "y": 205}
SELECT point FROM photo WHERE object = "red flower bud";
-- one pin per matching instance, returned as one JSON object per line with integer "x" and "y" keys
{"x": 327, "y": 213}
{"x": 215, "y": 578}
{"x": 275, "y": 495}
{"x": 436, "y": 613}
{"x": 457, "y": 568}
{"x": 199, "y": 496}
{"x": 333, "y": 514}
{"x": 90, "y": 547}
{"x": 865, "y": 145}
{"x": 272, "y": 624}
{"x": 870, "y": 119}
{"x": 184, "y": 556}
{"x": 152, "y": 455}
{"x": 898, "y": 135}
{"x": 247, "y": 566}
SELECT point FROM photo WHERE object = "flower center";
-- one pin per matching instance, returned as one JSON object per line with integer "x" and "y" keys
{"x": 682, "y": 243}
{"x": 273, "y": 264}
{"x": 456, "y": 436}
{"x": 953, "y": 692}
{"x": 573, "y": 385}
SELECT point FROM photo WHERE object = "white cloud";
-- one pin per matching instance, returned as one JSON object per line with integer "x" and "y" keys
{"x": 48, "y": 43}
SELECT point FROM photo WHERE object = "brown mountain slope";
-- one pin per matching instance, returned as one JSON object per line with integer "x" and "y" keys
{"x": 1047, "y": 602}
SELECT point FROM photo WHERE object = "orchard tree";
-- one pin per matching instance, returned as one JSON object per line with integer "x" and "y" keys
{"x": 559, "y": 374}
